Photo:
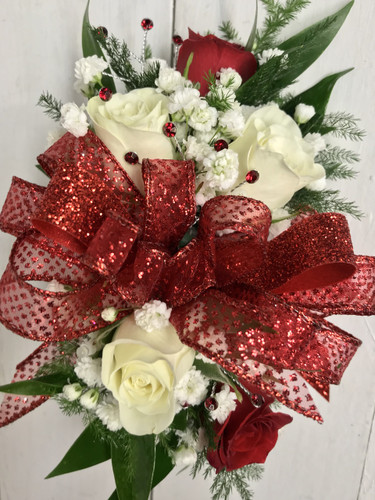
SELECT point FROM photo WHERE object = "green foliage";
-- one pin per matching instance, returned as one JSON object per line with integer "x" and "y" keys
{"x": 228, "y": 31}
{"x": 48, "y": 385}
{"x": 141, "y": 456}
{"x": 301, "y": 50}
{"x": 327, "y": 200}
{"x": 85, "y": 452}
{"x": 148, "y": 51}
{"x": 343, "y": 124}
{"x": 224, "y": 483}
{"x": 316, "y": 96}
{"x": 119, "y": 56}
{"x": 51, "y": 105}
{"x": 278, "y": 16}
{"x": 337, "y": 162}
{"x": 146, "y": 78}
{"x": 91, "y": 46}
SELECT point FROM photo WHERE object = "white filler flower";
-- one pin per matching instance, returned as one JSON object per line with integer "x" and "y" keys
{"x": 226, "y": 401}
{"x": 74, "y": 119}
{"x": 109, "y": 413}
{"x": 87, "y": 70}
{"x": 221, "y": 169}
{"x": 192, "y": 388}
{"x": 303, "y": 113}
{"x": 153, "y": 315}
{"x": 72, "y": 391}
{"x": 89, "y": 399}
{"x": 268, "y": 54}
{"x": 89, "y": 370}
{"x": 229, "y": 77}
{"x": 169, "y": 80}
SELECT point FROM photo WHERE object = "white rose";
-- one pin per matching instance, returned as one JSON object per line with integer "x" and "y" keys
{"x": 141, "y": 369}
{"x": 272, "y": 144}
{"x": 133, "y": 122}
{"x": 74, "y": 119}
{"x": 303, "y": 113}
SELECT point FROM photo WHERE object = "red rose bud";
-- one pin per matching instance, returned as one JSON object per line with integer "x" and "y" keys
{"x": 212, "y": 54}
{"x": 248, "y": 434}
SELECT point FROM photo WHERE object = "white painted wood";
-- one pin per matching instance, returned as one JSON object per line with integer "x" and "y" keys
{"x": 41, "y": 41}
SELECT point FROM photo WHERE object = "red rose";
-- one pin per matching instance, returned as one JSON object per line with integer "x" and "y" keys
{"x": 247, "y": 435}
{"x": 212, "y": 53}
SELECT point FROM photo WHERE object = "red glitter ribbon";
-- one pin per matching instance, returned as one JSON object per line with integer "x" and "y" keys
{"x": 255, "y": 307}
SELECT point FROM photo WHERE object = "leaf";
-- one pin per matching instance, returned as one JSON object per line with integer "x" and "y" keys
{"x": 302, "y": 50}
{"x": 317, "y": 96}
{"x": 91, "y": 47}
{"x": 138, "y": 485}
{"x": 113, "y": 496}
{"x": 251, "y": 39}
{"x": 163, "y": 465}
{"x": 48, "y": 385}
{"x": 188, "y": 64}
{"x": 86, "y": 451}
{"x": 214, "y": 372}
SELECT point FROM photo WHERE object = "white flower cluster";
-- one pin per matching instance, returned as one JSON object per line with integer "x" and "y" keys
{"x": 192, "y": 388}
{"x": 87, "y": 70}
{"x": 153, "y": 315}
{"x": 226, "y": 403}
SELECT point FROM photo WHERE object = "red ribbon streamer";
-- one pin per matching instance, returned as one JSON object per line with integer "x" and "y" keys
{"x": 253, "y": 306}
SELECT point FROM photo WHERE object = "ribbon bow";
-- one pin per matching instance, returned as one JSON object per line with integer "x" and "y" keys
{"x": 256, "y": 307}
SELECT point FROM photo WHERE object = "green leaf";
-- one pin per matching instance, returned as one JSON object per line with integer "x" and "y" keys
{"x": 48, "y": 385}
{"x": 302, "y": 50}
{"x": 214, "y": 372}
{"x": 138, "y": 485}
{"x": 251, "y": 39}
{"x": 317, "y": 96}
{"x": 91, "y": 47}
{"x": 113, "y": 496}
{"x": 188, "y": 64}
{"x": 86, "y": 451}
{"x": 163, "y": 465}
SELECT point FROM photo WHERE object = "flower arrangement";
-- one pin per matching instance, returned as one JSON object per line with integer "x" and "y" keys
{"x": 179, "y": 304}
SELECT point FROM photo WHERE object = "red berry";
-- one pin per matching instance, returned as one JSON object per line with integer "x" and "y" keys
{"x": 252, "y": 176}
{"x": 211, "y": 404}
{"x": 147, "y": 24}
{"x": 220, "y": 145}
{"x": 177, "y": 40}
{"x": 170, "y": 129}
{"x": 131, "y": 158}
{"x": 105, "y": 94}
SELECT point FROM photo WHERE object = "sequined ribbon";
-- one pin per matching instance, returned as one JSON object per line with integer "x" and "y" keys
{"x": 235, "y": 297}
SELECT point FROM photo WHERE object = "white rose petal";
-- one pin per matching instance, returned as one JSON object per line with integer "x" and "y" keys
{"x": 74, "y": 119}
{"x": 303, "y": 113}
{"x": 272, "y": 144}
{"x": 133, "y": 122}
{"x": 153, "y": 315}
{"x": 89, "y": 370}
{"x": 89, "y": 399}
{"x": 72, "y": 391}
{"x": 141, "y": 370}
{"x": 229, "y": 77}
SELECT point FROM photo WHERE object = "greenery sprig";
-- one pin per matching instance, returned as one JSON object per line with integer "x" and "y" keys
{"x": 51, "y": 105}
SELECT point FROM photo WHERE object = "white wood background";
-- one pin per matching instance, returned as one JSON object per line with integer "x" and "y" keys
{"x": 40, "y": 42}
